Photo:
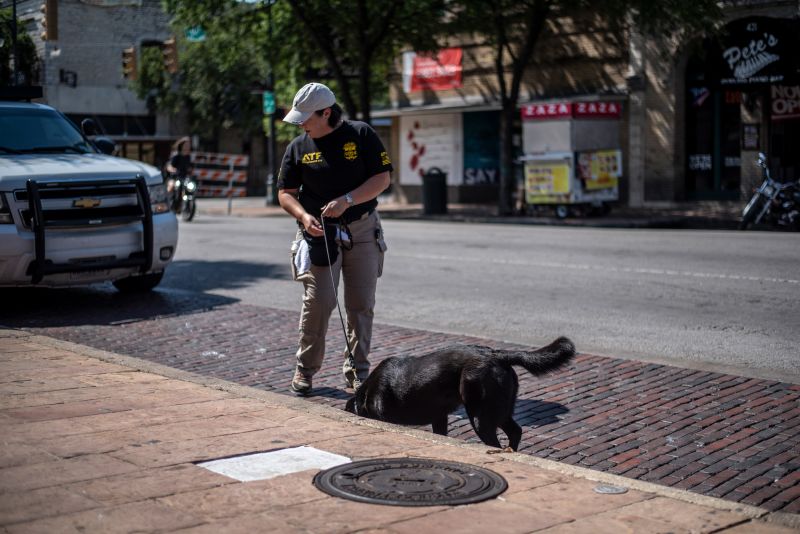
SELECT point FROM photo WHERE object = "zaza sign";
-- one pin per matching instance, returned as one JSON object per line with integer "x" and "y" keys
{"x": 577, "y": 110}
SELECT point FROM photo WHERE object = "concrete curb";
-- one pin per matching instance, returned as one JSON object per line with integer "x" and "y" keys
{"x": 296, "y": 403}
{"x": 687, "y": 217}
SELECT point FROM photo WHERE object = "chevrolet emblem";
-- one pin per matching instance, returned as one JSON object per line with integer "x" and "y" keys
{"x": 86, "y": 203}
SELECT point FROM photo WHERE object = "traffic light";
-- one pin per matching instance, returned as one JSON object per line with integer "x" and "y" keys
{"x": 49, "y": 20}
{"x": 129, "y": 63}
{"x": 170, "y": 51}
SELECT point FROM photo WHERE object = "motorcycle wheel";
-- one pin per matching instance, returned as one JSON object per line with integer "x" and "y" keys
{"x": 189, "y": 210}
{"x": 750, "y": 211}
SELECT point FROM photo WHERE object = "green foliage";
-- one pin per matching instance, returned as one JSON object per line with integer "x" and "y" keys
{"x": 359, "y": 40}
{"x": 27, "y": 63}
{"x": 352, "y": 45}
{"x": 349, "y": 45}
{"x": 216, "y": 77}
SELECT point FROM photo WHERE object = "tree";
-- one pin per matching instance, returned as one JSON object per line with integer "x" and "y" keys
{"x": 27, "y": 62}
{"x": 359, "y": 37}
{"x": 214, "y": 80}
{"x": 347, "y": 44}
{"x": 512, "y": 28}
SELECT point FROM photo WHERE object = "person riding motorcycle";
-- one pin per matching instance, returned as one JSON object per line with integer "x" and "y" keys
{"x": 178, "y": 168}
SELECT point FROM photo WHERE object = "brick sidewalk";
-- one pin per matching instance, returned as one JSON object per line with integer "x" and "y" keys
{"x": 714, "y": 434}
{"x": 94, "y": 443}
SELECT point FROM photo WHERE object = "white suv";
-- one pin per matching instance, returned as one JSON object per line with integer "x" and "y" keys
{"x": 71, "y": 215}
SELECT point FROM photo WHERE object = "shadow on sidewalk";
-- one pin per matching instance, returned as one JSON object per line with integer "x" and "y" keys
{"x": 184, "y": 290}
{"x": 97, "y": 305}
{"x": 535, "y": 413}
{"x": 207, "y": 275}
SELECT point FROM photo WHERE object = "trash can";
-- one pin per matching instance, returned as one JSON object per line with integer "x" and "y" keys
{"x": 434, "y": 191}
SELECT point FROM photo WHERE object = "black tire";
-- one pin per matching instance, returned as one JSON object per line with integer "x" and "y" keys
{"x": 138, "y": 284}
{"x": 750, "y": 211}
{"x": 561, "y": 211}
{"x": 189, "y": 210}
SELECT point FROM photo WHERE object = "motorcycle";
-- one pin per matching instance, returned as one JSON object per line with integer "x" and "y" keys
{"x": 183, "y": 197}
{"x": 773, "y": 203}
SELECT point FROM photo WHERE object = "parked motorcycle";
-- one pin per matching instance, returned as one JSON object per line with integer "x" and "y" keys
{"x": 773, "y": 203}
{"x": 183, "y": 197}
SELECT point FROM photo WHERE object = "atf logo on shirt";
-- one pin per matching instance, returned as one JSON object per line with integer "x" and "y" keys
{"x": 385, "y": 159}
{"x": 350, "y": 151}
{"x": 311, "y": 158}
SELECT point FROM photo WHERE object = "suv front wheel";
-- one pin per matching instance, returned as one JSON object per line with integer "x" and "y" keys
{"x": 138, "y": 284}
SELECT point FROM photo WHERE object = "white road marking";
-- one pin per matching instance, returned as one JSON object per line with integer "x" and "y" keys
{"x": 603, "y": 268}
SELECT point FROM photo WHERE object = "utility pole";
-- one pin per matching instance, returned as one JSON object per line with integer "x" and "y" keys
{"x": 269, "y": 112}
{"x": 15, "y": 73}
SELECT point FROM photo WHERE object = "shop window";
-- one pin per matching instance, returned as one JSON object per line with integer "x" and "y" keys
{"x": 713, "y": 130}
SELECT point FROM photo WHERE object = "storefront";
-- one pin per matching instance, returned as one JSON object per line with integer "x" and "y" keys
{"x": 743, "y": 96}
{"x": 462, "y": 144}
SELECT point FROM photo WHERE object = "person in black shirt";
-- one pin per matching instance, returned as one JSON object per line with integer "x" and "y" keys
{"x": 329, "y": 180}
{"x": 180, "y": 162}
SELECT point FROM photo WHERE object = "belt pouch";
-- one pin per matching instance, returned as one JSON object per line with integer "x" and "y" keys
{"x": 316, "y": 247}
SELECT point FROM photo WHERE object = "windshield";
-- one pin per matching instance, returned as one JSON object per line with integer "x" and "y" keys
{"x": 40, "y": 131}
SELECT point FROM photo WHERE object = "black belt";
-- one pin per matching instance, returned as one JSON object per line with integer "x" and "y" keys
{"x": 347, "y": 219}
{"x": 352, "y": 218}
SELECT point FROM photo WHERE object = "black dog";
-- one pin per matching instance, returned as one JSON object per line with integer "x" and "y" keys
{"x": 425, "y": 389}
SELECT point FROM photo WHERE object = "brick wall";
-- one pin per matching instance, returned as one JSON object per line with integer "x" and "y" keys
{"x": 91, "y": 37}
{"x": 659, "y": 133}
{"x": 572, "y": 57}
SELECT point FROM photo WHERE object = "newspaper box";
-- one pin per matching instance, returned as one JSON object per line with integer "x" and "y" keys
{"x": 563, "y": 179}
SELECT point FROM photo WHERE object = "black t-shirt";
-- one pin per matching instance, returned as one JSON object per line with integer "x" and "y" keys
{"x": 330, "y": 166}
{"x": 182, "y": 163}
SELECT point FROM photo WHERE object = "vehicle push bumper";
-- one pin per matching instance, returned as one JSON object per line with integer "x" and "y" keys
{"x": 126, "y": 237}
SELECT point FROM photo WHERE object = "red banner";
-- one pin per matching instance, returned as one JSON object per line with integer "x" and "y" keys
{"x": 437, "y": 72}
{"x": 578, "y": 110}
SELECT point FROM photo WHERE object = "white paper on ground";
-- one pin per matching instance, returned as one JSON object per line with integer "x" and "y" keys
{"x": 264, "y": 465}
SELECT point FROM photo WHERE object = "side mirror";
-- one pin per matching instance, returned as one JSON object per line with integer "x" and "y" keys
{"x": 88, "y": 127}
{"x": 762, "y": 160}
{"x": 105, "y": 145}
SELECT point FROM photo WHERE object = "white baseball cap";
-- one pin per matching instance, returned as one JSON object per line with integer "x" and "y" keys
{"x": 310, "y": 98}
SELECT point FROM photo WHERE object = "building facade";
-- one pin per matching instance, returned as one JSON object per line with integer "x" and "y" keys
{"x": 80, "y": 46}
{"x": 664, "y": 120}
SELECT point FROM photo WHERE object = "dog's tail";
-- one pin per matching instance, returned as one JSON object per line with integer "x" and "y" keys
{"x": 540, "y": 361}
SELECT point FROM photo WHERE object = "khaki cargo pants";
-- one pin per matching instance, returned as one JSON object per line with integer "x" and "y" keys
{"x": 360, "y": 268}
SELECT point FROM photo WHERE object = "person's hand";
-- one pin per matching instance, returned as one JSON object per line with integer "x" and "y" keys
{"x": 312, "y": 225}
{"x": 334, "y": 208}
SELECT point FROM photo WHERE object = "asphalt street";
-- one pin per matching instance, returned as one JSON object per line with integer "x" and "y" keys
{"x": 715, "y": 300}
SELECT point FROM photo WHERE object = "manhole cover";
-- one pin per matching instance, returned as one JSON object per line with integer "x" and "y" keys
{"x": 410, "y": 482}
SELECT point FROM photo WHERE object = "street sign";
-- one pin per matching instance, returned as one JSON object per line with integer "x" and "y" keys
{"x": 195, "y": 34}
{"x": 268, "y": 100}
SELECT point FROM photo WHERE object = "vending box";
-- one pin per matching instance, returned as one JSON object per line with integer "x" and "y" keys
{"x": 572, "y": 158}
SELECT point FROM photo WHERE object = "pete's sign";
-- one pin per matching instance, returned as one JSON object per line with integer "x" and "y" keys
{"x": 759, "y": 50}
{"x": 746, "y": 61}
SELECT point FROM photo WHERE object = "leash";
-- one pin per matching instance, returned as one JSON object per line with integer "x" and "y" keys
{"x": 351, "y": 361}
